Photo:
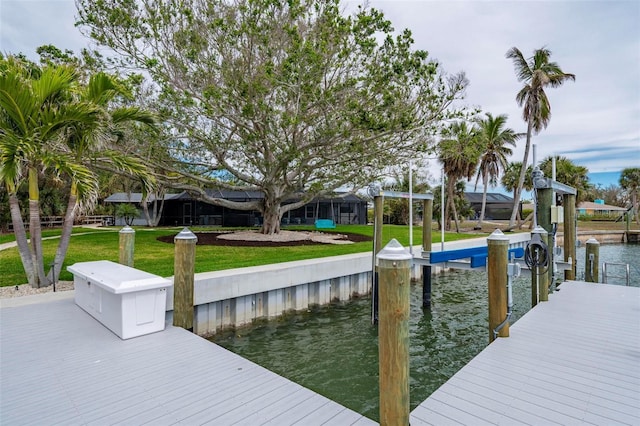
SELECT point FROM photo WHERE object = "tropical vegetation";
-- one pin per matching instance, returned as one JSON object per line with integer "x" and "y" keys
{"x": 494, "y": 141}
{"x": 55, "y": 125}
{"x": 459, "y": 153}
{"x": 293, "y": 99}
{"x": 630, "y": 182}
{"x": 537, "y": 73}
{"x": 571, "y": 174}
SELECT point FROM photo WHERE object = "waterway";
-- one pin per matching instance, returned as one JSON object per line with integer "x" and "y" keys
{"x": 617, "y": 253}
{"x": 334, "y": 350}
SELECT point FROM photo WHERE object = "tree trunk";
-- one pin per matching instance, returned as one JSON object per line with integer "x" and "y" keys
{"x": 447, "y": 208}
{"x": 634, "y": 203}
{"x": 484, "y": 198}
{"x": 455, "y": 215}
{"x": 35, "y": 230}
{"x": 65, "y": 237}
{"x": 271, "y": 216}
{"x": 21, "y": 239}
{"x": 523, "y": 171}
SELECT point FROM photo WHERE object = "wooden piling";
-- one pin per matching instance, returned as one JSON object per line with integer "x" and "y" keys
{"x": 378, "y": 211}
{"x": 543, "y": 281}
{"x": 592, "y": 257}
{"x": 127, "y": 238}
{"x": 497, "y": 261}
{"x": 544, "y": 201}
{"x": 393, "y": 334}
{"x": 569, "y": 204}
{"x": 184, "y": 267}
{"x": 427, "y": 215}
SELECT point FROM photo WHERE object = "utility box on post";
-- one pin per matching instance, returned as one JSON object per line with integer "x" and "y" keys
{"x": 557, "y": 214}
{"x": 127, "y": 301}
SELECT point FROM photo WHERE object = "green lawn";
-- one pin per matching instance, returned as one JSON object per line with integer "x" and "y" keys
{"x": 156, "y": 257}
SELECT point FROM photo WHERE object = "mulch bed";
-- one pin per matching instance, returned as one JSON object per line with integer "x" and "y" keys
{"x": 211, "y": 239}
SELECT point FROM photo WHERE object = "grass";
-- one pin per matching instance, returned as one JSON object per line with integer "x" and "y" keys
{"x": 156, "y": 257}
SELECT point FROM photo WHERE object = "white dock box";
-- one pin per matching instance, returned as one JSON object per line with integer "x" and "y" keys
{"x": 127, "y": 301}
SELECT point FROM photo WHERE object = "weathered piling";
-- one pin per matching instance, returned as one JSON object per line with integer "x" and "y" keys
{"x": 569, "y": 204}
{"x": 378, "y": 211}
{"x": 544, "y": 201}
{"x": 540, "y": 262}
{"x": 592, "y": 257}
{"x": 394, "y": 264}
{"x": 497, "y": 261}
{"x": 127, "y": 238}
{"x": 545, "y": 276}
{"x": 427, "y": 214}
{"x": 183, "y": 279}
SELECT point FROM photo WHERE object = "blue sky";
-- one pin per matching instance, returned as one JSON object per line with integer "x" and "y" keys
{"x": 595, "y": 120}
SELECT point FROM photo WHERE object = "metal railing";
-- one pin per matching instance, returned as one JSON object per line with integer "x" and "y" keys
{"x": 604, "y": 271}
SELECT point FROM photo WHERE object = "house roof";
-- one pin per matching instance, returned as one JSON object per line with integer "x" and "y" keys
{"x": 492, "y": 197}
{"x": 136, "y": 197}
{"x": 588, "y": 205}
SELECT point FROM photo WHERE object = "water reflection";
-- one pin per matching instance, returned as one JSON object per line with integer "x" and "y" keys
{"x": 334, "y": 350}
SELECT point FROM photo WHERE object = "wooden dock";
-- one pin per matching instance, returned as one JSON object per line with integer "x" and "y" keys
{"x": 572, "y": 360}
{"x": 60, "y": 366}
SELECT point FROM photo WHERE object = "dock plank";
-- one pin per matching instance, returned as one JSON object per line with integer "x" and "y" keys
{"x": 572, "y": 360}
{"x": 61, "y": 366}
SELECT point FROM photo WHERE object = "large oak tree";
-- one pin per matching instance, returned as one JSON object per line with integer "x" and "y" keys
{"x": 292, "y": 98}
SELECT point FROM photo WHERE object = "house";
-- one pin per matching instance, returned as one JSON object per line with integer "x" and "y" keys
{"x": 499, "y": 206}
{"x": 599, "y": 208}
{"x": 184, "y": 210}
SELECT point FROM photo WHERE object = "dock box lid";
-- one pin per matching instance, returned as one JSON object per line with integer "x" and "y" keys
{"x": 116, "y": 278}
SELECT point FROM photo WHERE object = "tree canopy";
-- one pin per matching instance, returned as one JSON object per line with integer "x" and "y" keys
{"x": 569, "y": 173}
{"x": 630, "y": 181}
{"x": 294, "y": 99}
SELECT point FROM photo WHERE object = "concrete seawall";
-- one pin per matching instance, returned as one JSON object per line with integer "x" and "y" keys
{"x": 236, "y": 297}
{"x": 603, "y": 237}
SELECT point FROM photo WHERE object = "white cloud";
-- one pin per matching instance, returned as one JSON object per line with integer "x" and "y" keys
{"x": 596, "y": 119}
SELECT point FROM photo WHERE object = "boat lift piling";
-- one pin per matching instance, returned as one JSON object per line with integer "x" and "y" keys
{"x": 378, "y": 195}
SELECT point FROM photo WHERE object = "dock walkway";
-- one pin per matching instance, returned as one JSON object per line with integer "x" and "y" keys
{"x": 60, "y": 366}
{"x": 572, "y": 360}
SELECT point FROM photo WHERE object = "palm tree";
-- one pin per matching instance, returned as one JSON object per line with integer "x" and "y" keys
{"x": 493, "y": 139}
{"x": 92, "y": 143}
{"x": 35, "y": 110}
{"x": 570, "y": 174}
{"x": 537, "y": 73}
{"x": 458, "y": 152}
{"x": 630, "y": 181}
{"x": 511, "y": 177}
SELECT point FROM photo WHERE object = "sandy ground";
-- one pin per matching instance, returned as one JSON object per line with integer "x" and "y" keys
{"x": 27, "y": 290}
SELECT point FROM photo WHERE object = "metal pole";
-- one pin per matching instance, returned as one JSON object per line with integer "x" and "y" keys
{"x": 127, "y": 243}
{"x": 183, "y": 279}
{"x": 393, "y": 334}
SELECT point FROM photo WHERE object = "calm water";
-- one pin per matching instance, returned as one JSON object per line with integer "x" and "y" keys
{"x": 619, "y": 253}
{"x": 334, "y": 350}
